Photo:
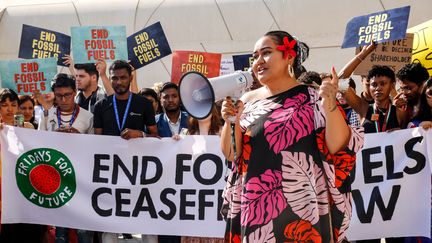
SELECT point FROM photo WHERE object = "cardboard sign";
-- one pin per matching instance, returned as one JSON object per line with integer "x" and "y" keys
{"x": 377, "y": 27}
{"x": 27, "y": 76}
{"x": 203, "y": 62}
{"x": 90, "y": 43}
{"x": 227, "y": 66}
{"x": 394, "y": 54}
{"x": 147, "y": 45}
{"x": 38, "y": 43}
{"x": 422, "y": 47}
{"x": 242, "y": 62}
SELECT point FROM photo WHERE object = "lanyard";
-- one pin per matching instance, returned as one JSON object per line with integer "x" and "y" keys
{"x": 71, "y": 121}
{"x": 121, "y": 125}
{"x": 348, "y": 114}
{"x": 377, "y": 125}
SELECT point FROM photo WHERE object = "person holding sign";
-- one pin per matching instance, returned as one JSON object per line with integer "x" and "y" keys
{"x": 294, "y": 153}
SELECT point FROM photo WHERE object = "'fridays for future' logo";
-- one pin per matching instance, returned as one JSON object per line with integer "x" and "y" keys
{"x": 45, "y": 177}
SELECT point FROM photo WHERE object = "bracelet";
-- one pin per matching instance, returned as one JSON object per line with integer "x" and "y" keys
{"x": 359, "y": 58}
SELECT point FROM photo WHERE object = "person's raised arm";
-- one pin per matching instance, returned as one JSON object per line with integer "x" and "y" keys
{"x": 337, "y": 132}
{"x": 356, "y": 102}
{"x": 101, "y": 68}
{"x": 134, "y": 84}
{"x": 69, "y": 62}
{"x": 349, "y": 68}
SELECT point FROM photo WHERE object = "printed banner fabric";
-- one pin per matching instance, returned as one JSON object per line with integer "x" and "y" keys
{"x": 167, "y": 187}
{"x": 148, "y": 186}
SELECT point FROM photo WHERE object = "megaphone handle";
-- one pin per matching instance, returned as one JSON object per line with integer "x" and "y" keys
{"x": 232, "y": 119}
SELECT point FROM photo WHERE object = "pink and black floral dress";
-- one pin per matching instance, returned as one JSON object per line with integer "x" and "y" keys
{"x": 286, "y": 186}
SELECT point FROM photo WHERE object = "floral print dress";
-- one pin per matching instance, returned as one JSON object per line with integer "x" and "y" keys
{"x": 286, "y": 186}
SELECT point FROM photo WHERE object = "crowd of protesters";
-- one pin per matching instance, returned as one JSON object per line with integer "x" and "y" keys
{"x": 389, "y": 100}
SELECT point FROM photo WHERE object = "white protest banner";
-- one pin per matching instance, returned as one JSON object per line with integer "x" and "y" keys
{"x": 392, "y": 186}
{"x": 108, "y": 184}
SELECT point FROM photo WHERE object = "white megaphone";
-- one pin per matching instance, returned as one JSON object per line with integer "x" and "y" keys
{"x": 198, "y": 93}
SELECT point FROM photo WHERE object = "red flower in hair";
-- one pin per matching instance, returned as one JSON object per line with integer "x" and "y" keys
{"x": 287, "y": 47}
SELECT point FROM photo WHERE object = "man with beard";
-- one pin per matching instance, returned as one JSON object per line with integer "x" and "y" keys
{"x": 170, "y": 123}
{"x": 123, "y": 114}
{"x": 89, "y": 93}
{"x": 172, "y": 120}
{"x": 411, "y": 78}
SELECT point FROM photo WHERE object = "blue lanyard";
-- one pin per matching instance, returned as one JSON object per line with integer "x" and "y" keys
{"x": 349, "y": 114}
{"x": 74, "y": 114}
{"x": 120, "y": 126}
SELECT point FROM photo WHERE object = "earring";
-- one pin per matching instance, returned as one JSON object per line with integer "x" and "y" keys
{"x": 291, "y": 71}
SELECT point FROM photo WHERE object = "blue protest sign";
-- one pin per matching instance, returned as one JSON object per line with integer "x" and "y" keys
{"x": 377, "y": 27}
{"x": 90, "y": 43}
{"x": 28, "y": 75}
{"x": 147, "y": 45}
{"x": 242, "y": 62}
{"x": 42, "y": 43}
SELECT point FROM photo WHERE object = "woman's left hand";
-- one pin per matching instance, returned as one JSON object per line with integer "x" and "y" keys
{"x": 328, "y": 90}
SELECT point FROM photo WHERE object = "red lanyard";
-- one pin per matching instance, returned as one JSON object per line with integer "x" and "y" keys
{"x": 377, "y": 125}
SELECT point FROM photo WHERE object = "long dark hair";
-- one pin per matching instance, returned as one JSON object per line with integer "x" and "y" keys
{"x": 300, "y": 48}
{"x": 215, "y": 123}
{"x": 424, "y": 112}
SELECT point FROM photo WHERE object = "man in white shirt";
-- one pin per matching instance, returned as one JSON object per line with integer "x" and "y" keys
{"x": 67, "y": 117}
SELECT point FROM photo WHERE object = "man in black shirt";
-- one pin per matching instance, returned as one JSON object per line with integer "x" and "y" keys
{"x": 90, "y": 93}
{"x": 124, "y": 114}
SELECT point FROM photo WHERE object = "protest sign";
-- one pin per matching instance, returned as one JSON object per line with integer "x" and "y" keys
{"x": 135, "y": 186}
{"x": 422, "y": 47}
{"x": 42, "y": 43}
{"x": 90, "y": 43}
{"x": 147, "y": 45}
{"x": 205, "y": 63}
{"x": 391, "y": 170}
{"x": 377, "y": 27}
{"x": 28, "y": 76}
{"x": 227, "y": 66}
{"x": 242, "y": 62}
{"x": 394, "y": 54}
{"x": 148, "y": 186}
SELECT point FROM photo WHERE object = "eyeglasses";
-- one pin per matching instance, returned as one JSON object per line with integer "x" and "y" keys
{"x": 66, "y": 96}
